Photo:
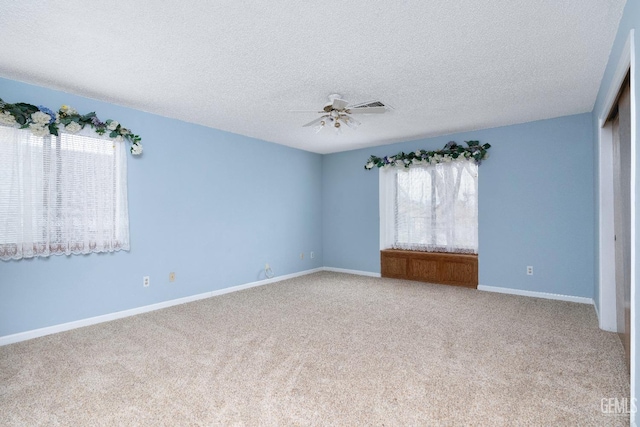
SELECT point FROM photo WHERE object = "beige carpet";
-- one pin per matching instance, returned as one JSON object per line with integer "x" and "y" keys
{"x": 324, "y": 349}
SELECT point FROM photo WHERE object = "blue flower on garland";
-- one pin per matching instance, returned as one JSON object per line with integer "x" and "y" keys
{"x": 49, "y": 112}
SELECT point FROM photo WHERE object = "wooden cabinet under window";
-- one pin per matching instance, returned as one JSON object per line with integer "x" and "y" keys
{"x": 432, "y": 267}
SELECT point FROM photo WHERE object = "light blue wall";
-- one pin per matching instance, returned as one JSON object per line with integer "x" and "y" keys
{"x": 209, "y": 205}
{"x": 630, "y": 20}
{"x": 196, "y": 209}
{"x": 535, "y": 206}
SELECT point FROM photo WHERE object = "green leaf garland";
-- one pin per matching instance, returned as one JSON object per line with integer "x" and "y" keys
{"x": 451, "y": 152}
{"x": 43, "y": 121}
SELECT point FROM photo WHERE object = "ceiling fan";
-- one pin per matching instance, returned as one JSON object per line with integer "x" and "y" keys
{"x": 337, "y": 112}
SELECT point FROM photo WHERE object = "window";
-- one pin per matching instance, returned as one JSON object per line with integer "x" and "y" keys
{"x": 430, "y": 208}
{"x": 62, "y": 194}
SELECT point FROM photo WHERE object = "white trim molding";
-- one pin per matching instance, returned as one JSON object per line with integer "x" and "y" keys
{"x": 545, "y": 295}
{"x": 634, "y": 241}
{"x": 347, "y": 271}
{"x": 35, "y": 333}
{"x": 606, "y": 251}
{"x": 606, "y": 244}
{"x": 606, "y": 280}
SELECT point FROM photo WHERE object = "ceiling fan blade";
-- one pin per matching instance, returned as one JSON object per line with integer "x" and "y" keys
{"x": 367, "y": 110}
{"x": 313, "y": 122}
{"x": 339, "y": 104}
{"x": 304, "y": 111}
{"x": 370, "y": 104}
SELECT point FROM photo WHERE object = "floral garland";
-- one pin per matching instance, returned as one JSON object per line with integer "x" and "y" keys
{"x": 451, "y": 152}
{"x": 42, "y": 122}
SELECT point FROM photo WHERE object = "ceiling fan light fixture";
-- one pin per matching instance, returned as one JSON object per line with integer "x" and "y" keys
{"x": 338, "y": 112}
{"x": 351, "y": 122}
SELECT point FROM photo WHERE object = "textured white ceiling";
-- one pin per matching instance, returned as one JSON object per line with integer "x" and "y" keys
{"x": 445, "y": 66}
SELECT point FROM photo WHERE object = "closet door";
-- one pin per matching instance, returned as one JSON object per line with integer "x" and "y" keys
{"x": 622, "y": 215}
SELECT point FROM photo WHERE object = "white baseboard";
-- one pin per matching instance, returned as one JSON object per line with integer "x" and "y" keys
{"x": 545, "y": 295}
{"x": 357, "y": 272}
{"x": 35, "y": 333}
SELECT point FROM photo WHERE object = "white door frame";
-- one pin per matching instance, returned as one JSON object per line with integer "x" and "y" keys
{"x": 606, "y": 245}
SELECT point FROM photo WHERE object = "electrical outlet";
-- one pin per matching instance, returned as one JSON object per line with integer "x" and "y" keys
{"x": 145, "y": 281}
{"x": 312, "y": 255}
{"x": 301, "y": 255}
{"x": 172, "y": 277}
{"x": 268, "y": 272}
{"x": 529, "y": 270}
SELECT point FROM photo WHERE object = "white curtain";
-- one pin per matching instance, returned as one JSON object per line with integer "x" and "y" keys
{"x": 430, "y": 208}
{"x": 61, "y": 195}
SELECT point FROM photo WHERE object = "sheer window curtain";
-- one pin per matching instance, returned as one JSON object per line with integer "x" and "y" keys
{"x": 430, "y": 208}
{"x": 61, "y": 195}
